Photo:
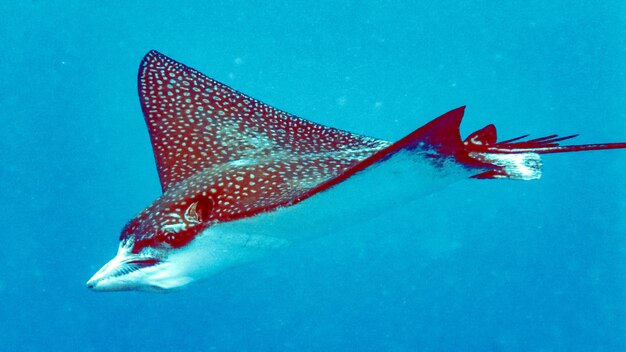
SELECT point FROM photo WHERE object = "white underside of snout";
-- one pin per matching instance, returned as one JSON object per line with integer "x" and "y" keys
{"x": 116, "y": 275}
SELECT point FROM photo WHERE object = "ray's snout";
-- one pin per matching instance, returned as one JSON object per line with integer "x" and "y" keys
{"x": 92, "y": 285}
{"x": 122, "y": 273}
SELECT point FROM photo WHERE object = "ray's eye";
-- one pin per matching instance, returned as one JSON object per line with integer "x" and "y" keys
{"x": 200, "y": 210}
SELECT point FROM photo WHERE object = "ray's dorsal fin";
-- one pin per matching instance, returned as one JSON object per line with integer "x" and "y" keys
{"x": 196, "y": 122}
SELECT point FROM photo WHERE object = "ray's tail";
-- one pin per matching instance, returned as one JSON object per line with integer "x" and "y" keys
{"x": 519, "y": 158}
{"x": 515, "y": 158}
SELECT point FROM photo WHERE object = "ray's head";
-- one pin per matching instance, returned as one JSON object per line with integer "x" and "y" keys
{"x": 151, "y": 245}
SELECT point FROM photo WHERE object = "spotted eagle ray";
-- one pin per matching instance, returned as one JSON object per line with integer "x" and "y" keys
{"x": 241, "y": 178}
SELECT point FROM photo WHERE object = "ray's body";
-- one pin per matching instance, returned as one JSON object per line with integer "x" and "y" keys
{"x": 241, "y": 178}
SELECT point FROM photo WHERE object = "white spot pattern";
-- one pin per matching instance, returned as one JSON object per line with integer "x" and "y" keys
{"x": 214, "y": 142}
{"x": 196, "y": 122}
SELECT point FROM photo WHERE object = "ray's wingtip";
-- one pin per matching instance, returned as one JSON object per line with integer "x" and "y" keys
{"x": 152, "y": 54}
{"x": 460, "y": 111}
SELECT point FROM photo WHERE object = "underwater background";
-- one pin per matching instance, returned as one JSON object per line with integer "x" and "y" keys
{"x": 478, "y": 266}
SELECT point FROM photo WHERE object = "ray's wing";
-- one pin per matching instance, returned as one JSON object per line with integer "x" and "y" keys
{"x": 196, "y": 122}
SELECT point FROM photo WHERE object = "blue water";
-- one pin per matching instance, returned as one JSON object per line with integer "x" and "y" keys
{"x": 479, "y": 266}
